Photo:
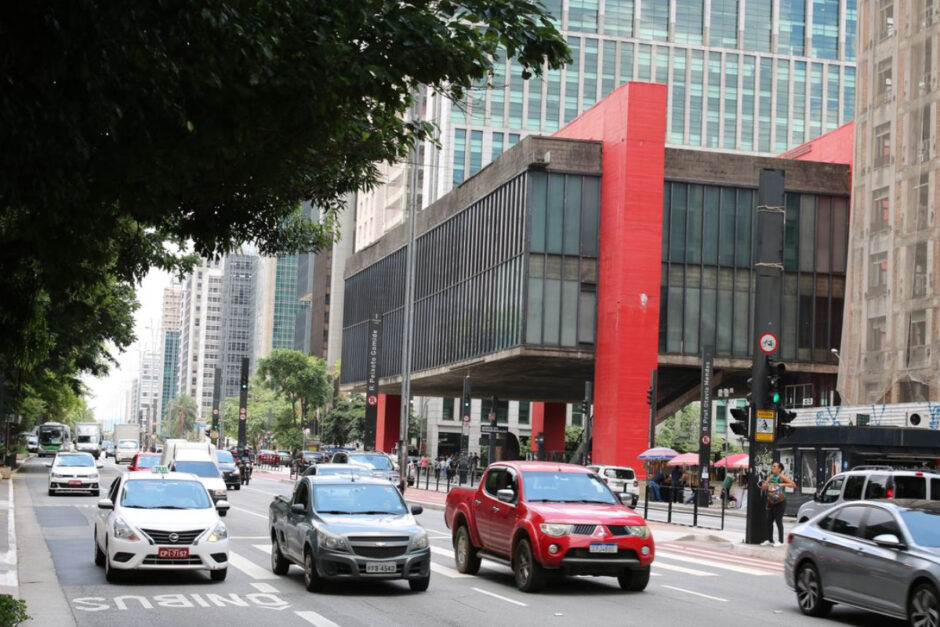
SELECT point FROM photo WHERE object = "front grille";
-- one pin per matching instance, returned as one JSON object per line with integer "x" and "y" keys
{"x": 379, "y": 552}
{"x": 583, "y": 553}
{"x": 163, "y": 537}
{"x": 584, "y": 530}
{"x": 371, "y": 539}
{"x": 153, "y": 560}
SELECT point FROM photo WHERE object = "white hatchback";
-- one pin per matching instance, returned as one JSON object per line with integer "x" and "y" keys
{"x": 73, "y": 472}
{"x": 125, "y": 450}
{"x": 160, "y": 521}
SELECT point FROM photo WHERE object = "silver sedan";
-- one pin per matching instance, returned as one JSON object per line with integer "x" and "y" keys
{"x": 881, "y": 556}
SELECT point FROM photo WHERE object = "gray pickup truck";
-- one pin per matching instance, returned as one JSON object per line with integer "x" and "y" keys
{"x": 344, "y": 527}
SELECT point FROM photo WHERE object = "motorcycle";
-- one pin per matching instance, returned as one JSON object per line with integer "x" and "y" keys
{"x": 244, "y": 468}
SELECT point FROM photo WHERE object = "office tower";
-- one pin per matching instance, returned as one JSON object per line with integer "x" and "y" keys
{"x": 200, "y": 334}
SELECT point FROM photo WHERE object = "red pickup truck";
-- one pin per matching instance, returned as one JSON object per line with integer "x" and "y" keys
{"x": 540, "y": 518}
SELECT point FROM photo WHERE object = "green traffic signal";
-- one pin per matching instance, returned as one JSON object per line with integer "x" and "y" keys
{"x": 775, "y": 398}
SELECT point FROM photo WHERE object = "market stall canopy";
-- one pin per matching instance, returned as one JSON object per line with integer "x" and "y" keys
{"x": 686, "y": 459}
{"x": 657, "y": 452}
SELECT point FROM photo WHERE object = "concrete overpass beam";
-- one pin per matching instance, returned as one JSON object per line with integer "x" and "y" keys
{"x": 388, "y": 422}
{"x": 548, "y": 418}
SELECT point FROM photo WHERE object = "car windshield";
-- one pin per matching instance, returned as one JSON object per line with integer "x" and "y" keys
{"x": 357, "y": 498}
{"x": 924, "y": 526}
{"x": 148, "y": 461}
{"x": 85, "y": 439}
{"x": 74, "y": 460}
{"x": 200, "y": 469}
{"x": 379, "y": 462}
{"x": 51, "y": 435}
{"x": 618, "y": 473}
{"x": 347, "y": 469}
{"x": 165, "y": 494}
{"x": 225, "y": 457}
{"x": 565, "y": 487}
{"x": 127, "y": 444}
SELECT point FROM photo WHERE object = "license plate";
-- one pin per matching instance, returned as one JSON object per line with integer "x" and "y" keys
{"x": 75, "y": 482}
{"x": 602, "y": 548}
{"x": 172, "y": 552}
{"x": 381, "y": 567}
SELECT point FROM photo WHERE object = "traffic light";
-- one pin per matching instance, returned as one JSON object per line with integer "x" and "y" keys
{"x": 585, "y": 409}
{"x": 784, "y": 418}
{"x": 775, "y": 372}
{"x": 466, "y": 401}
{"x": 649, "y": 396}
{"x": 740, "y": 417}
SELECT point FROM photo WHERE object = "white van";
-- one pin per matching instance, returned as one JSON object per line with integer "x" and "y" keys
{"x": 197, "y": 458}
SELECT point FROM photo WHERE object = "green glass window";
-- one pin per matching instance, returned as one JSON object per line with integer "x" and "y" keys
{"x": 460, "y": 154}
{"x": 497, "y": 146}
{"x": 662, "y": 65}
{"x": 572, "y": 213}
{"x": 832, "y": 98}
{"x": 798, "y": 131}
{"x": 572, "y": 80}
{"x": 556, "y": 213}
{"x": 618, "y": 18}
{"x": 582, "y": 15}
{"x": 792, "y": 233}
{"x": 781, "y": 142}
{"x": 498, "y": 91}
{"x": 677, "y": 119}
{"x": 815, "y": 99}
{"x": 523, "y": 412}
{"x": 730, "y": 134}
{"x": 654, "y": 21}
{"x": 476, "y": 151}
{"x": 757, "y": 25}
{"x": 516, "y": 86}
{"x": 851, "y": 28}
{"x": 534, "y": 113}
{"x": 608, "y": 74}
{"x": 696, "y": 96}
{"x": 590, "y": 73}
{"x": 538, "y": 191}
{"x": 553, "y": 101}
{"x": 713, "y": 116}
{"x": 792, "y": 27}
{"x": 748, "y": 76}
{"x": 645, "y": 63}
{"x": 689, "y": 24}
{"x": 728, "y": 204}
{"x": 848, "y": 94}
{"x": 825, "y": 29}
{"x": 626, "y": 62}
{"x": 764, "y": 112}
{"x": 590, "y": 215}
{"x": 724, "y": 24}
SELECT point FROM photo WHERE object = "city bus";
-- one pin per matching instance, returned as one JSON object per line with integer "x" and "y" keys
{"x": 54, "y": 437}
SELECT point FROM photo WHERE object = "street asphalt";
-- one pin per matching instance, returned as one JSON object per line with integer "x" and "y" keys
{"x": 697, "y": 582}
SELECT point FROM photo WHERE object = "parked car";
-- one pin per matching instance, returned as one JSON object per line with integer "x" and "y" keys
{"x": 338, "y": 469}
{"x": 144, "y": 461}
{"x": 154, "y": 521}
{"x": 267, "y": 457}
{"x": 73, "y": 472}
{"x": 307, "y": 459}
{"x": 283, "y": 458}
{"x": 872, "y": 482}
{"x": 621, "y": 479}
{"x": 346, "y": 528}
{"x": 540, "y": 518}
{"x": 230, "y": 473}
{"x": 882, "y": 556}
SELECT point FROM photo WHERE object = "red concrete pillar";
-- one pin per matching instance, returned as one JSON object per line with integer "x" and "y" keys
{"x": 388, "y": 422}
{"x": 631, "y": 124}
{"x": 548, "y": 418}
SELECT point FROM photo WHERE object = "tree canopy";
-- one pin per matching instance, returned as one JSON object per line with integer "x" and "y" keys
{"x": 130, "y": 127}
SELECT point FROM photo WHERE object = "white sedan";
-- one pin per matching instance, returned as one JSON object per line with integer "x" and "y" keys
{"x": 160, "y": 521}
{"x": 73, "y": 472}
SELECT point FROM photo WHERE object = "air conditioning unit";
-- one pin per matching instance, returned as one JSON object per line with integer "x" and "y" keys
{"x": 914, "y": 419}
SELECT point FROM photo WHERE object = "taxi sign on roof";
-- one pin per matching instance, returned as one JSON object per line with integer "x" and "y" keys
{"x": 161, "y": 469}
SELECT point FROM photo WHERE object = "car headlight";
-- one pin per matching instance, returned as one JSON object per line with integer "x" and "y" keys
{"x": 93, "y": 476}
{"x": 639, "y": 531}
{"x": 124, "y": 531}
{"x": 219, "y": 533}
{"x": 420, "y": 541}
{"x": 57, "y": 475}
{"x": 331, "y": 542}
{"x": 555, "y": 529}
{"x": 219, "y": 493}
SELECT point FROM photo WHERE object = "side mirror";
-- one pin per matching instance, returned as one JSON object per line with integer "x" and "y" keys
{"x": 222, "y": 507}
{"x": 625, "y": 498}
{"x": 99, "y": 464}
{"x": 417, "y": 510}
{"x": 505, "y": 495}
{"x": 105, "y": 504}
{"x": 889, "y": 541}
{"x": 816, "y": 496}
{"x": 47, "y": 464}
{"x": 298, "y": 508}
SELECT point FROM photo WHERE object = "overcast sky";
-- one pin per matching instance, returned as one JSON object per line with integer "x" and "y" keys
{"x": 106, "y": 394}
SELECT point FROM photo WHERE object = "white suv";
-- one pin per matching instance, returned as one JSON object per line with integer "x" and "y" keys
{"x": 620, "y": 479}
{"x": 872, "y": 482}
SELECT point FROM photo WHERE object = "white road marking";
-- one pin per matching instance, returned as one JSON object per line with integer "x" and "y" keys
{"x": 440, "y": 533}
{"x": 656, "y": 574}
{"x": 447, "y": 572}
{"x": 264, "y": 587}
{"x": 248, "y": 537}
{"x": 248, "y": 511}
{"x": 683, "y": 569}
{"x": 714, "y": 564}
{"x": 442, "y": 551}
{"x": 316, "y": 619}
{"x": 264, "y": 548}
{"x": 250, "y": 568}
{"x": 501, "y": 597}
{"x": 725, "y": 557}
{"x": 698, "y": 594}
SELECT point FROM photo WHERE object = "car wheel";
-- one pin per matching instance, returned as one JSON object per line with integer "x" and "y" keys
{"x": 465, "y": 554}
{"x": 110, "y": 575}
{"x": 99, "y": 554}
{"x": 51, "y": 492}
{"x": 420, "y": 585}
{"x": 279, "y": 564}
{"x": 237, "y": 486}
{"x": 923, "y": 609}
{"x": 218, "y": 575}
{"x": 809, "y": 592}
{"x": 634, "y": 579}
{"x": 530, "y": 576}
{"x": 312, "y": 580}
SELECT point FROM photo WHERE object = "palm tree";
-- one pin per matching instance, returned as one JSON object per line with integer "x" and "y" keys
{"x": 182, "y": 414}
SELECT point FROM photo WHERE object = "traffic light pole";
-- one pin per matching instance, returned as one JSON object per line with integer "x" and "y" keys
{"x": 216, "y": 398}
{"x": 767, "y": 317}
{"x": 463, "y": 464}
{"x": 243, "y": 405}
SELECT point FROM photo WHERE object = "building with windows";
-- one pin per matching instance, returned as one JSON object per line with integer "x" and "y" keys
{"x": 239, "y": 273}
{"x": 170, "y": 341}
{"x": 150, "y": 390}
{"x": 760, "y": 76}
{"x": 891, "y": 346}
{"x": 200, "y": 334}
{"x": 276, "y": 305}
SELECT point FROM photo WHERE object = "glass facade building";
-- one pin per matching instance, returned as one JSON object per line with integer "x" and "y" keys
{"x": 760, "y": 76}
{"x": 286, "y": 304}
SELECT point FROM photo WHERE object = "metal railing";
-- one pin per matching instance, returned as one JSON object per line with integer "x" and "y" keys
{"x": 442, "y": 480}
{"x": 702, "y": 501}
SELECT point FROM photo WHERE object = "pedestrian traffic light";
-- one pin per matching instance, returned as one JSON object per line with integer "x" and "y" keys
{"x": 740, "y": 417}
{"x": 784, "y": 418}
{"x": 649, "y": 396}
{"x": 775, "y": 372}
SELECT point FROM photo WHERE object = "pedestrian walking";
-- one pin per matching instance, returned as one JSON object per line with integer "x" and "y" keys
{"x": 776, "y": 500}
{"x": 676, "y": 484}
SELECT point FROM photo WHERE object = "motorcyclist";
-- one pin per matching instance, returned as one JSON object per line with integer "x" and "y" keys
{"x": 244, "y": 460}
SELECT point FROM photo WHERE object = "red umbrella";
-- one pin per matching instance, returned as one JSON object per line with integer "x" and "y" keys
{"x": 686, "y": 459}
{"x": 730, "y": 460}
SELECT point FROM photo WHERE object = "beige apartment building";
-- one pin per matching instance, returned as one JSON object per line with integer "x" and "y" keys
{"x": 891, "y": 340}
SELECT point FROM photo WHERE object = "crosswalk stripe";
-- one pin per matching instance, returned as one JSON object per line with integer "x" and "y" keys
{"x": 683, "y": 569}
{"x": 713, "y": 564}
{"x": 318, "y": 620}
{"x": 698, "y": 594}
{"x": 250, "y": 568}
{"x": 264, "y": 587}
{"x": 264, "y": 548}
{"x": 735, "y": 559}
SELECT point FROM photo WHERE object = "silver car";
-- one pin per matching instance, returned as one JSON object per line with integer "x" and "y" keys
{"x": 881, "y": 556}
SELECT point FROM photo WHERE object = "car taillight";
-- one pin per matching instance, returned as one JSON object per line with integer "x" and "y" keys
{"x": 636, "y": 484}
{"x": 605, "y": 479}
{"x": 789, "y": 538}
{"x": 890, "y": 493}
